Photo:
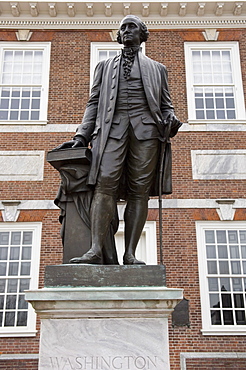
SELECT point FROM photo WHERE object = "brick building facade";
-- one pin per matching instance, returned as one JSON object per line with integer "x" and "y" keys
{"x": 204, "y": 220}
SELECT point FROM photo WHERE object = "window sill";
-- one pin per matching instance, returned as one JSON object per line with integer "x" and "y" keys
{"x": 216, "y": 121}
{"x": 239, "y": 125}
{"x": 44, "y": 122}
{"x": 225, "y": 331}
{"x": 19, "y": 334}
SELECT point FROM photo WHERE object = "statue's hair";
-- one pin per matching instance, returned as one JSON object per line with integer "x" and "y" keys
{"x": 144, "y": 33}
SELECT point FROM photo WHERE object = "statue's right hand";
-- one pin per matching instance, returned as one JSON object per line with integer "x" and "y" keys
{"x": 69, "y": 144}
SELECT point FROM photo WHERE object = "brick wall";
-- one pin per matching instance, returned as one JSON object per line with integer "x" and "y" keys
{"x": 68, "y": 94}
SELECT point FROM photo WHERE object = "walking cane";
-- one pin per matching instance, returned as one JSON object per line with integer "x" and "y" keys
{"x": 162, "y": 155}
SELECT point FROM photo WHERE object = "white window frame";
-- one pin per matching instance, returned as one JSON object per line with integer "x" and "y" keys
{"x": 45, "y": 47}
{"x": 147, "y": 245}
{"x": 237, "y": 75}
{"x": 98, "y": 46}
{"x": 207, "y": 327}
{"x": 36, "y": 228}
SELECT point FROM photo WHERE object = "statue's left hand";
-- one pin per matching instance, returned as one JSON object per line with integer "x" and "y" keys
{"x": 174, "y": 123}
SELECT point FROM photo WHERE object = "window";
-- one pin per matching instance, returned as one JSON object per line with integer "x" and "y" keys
{"x": 24, "y": 75}
{"x": 222, "y": 270}
{"x": 214, "y": 82}
{"x": 19, "y": 268}
{"x": 104, "y": 50}
{"x": 101, "y": 51}
{"x": 147, "y": 245}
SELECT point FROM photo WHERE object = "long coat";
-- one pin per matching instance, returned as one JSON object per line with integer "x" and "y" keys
{"x": 100, "y": 108}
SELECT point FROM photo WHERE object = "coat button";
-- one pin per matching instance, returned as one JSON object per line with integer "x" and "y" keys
{"x": 85, "y": 127}
{"x": 114, "y": 76}
{"x": 111, "y": 97}
{"x": 109, "y": 109}
{"x": 107, "y": 120}
{"x": 113, "y": 87}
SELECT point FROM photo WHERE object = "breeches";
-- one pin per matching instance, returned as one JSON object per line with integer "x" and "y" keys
{"x": 138, "y": 159}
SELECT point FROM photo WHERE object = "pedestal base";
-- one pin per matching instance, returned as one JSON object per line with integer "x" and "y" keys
{"x": 102, "y": 328}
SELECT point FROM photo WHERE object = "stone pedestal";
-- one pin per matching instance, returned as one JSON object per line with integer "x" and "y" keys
{"x": 105, "y": 327}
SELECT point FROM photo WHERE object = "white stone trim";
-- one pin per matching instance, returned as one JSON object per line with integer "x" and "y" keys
{"x": 21, "y": 165}
{"x": 40, "y": 128}
{"x": 218, "y": 164}
{"x": 19, "y": 356}
{"x": 153, "y": 204}
{"x": 84, "y": 301}
{"x": 114, "y": 23}
{"x": 194, "y": 126}
{"x": 190, "y": 355}
{"x": 193, "y": 203}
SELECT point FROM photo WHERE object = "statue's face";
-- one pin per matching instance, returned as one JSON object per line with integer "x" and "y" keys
{"x": 130, "y": 32}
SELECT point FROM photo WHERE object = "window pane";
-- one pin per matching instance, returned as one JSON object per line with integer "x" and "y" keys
{"x": 209, "y": 236}
{"x": 211, "y": 253}
{"x": 215, "y": 318}
{"x": 25, "y": 103}
{"x": 3, "y": 268}
{"x": 13, "y": 268}
{"x": 243, "y": 251}
{"x": 22, "y": 303}
{"x": 2, "y": 285}
{"x": 11, "y": 302}
{"x": 26, "y": 253}
{"x": 221, "y": 236}
{"x": 235, "y": 267}
{"x": 234, "y": 251}
{"x": 240, "y": 318}
{"x": 12, "y": 286}
{"x": 238, "y": 300}
{"x": 228, "y": 317}
{"x": 22, "y": 318}
{"x": 4, "y": 238}
{"x": 222, "y": 251}
{"x": 24, "y": 284}
{"x": 34, "y": 115}
{"x": 14, "y": 253}
{"x": 212, "y": 267}
{"x": 237, "y": 284}
{"x": 224, "y": 267}
{"x": 3, "y": 253}
{"x": 24, "y": 115}
{"x": 35, "y": 104}
{"x": 214, "y": 300}
{"x": 226, "y": 300}
{"x": 13, "y": 115}
{"x": 25, "y": 268}
{"x": 213, "y": 284}
{"x": 15, "y": 238}
{"x": 242, "y": 235}
{"x": 1, "y": 301}
{"x": 225, "y": 284}
{"x": 9, "y": 319}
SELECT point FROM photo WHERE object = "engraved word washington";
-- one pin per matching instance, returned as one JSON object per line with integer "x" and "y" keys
{"x": 104, "y": 363}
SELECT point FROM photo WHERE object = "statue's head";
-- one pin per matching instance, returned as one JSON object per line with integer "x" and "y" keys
{"x": 142, "y": 28}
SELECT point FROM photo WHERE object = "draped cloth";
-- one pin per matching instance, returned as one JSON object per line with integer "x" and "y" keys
{"x": 73, "y": 188}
